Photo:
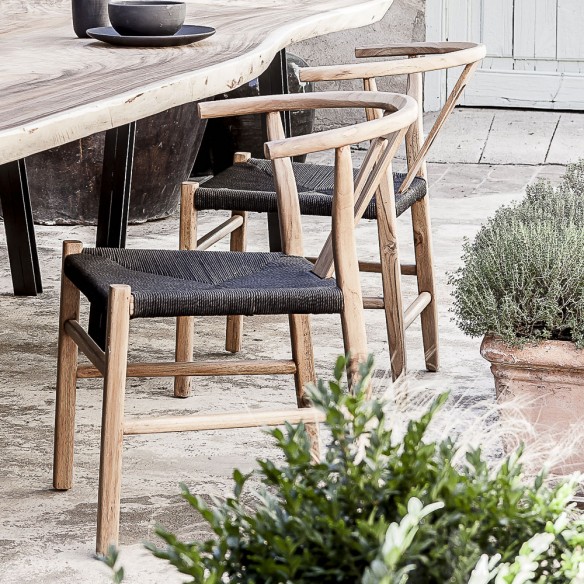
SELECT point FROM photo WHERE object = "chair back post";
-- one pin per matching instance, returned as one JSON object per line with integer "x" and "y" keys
{"x": 288, "y": 202}
{"x": 346, "y": 261}
{"x": 376, "y": 164}
{"x": 415, "y": 133}
{"x": 370, "y": 84}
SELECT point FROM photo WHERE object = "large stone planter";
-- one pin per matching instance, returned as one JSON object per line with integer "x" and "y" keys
{"x": 545, "y": 382}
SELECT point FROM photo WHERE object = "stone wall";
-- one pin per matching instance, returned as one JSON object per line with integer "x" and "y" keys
{"x": 404, "y": 22}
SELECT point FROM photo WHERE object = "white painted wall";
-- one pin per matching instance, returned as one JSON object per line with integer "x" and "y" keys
{"x": 535, "y": 53}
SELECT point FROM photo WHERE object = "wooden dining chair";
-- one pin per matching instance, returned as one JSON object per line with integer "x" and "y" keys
{"x": 137, "y": 283}
{"x": 248, "y": 186}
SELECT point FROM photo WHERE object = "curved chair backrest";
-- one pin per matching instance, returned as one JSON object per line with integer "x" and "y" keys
{"x": 350, "y": 198}
{"x": 399, "y": 106}
{"x": 422, "y": 58}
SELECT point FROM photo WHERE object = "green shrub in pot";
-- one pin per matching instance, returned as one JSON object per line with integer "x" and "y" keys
{"x": 522, "y": 277}
{"x": 378, "y": 509}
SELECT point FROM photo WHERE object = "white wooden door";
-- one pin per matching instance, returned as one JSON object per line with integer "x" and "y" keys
{"x": 535, "y": 52}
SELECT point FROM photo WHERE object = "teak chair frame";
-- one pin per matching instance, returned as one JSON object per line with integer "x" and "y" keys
{"x": 112, "y": 364}
{"x": 422, "y": 57}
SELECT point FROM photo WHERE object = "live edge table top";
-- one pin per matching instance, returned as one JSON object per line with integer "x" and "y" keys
{"x": 56, "y": 88}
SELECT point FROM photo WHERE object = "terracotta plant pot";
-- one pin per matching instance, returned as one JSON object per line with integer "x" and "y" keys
{"x": 546, "y": 380}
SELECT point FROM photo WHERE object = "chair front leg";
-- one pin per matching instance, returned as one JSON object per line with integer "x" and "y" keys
{"x": 238, "y": 242}
{"x": 391, "y": 275}
{"x": 303, "y": 356}
{"x": 66, "y": 380}
{"x": 112, "y": 425}
{"x": 185, "y": 325}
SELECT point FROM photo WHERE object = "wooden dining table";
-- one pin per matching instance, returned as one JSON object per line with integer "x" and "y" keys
{"x": 56, "y": 88}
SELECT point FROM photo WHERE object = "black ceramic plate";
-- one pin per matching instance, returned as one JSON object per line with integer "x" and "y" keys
{"x": 185, "y": 36}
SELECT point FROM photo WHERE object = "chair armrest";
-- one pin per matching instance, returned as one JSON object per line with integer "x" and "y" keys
{"x": 405, "y": 113}
{"x": 411, "y": 49}
{"x": 300, "y": 101}
{"x": 401, "y": 112}
{"x": 431, "y": 62}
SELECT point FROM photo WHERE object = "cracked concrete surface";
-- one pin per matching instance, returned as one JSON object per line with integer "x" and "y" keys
{"x": 48, "y": 537}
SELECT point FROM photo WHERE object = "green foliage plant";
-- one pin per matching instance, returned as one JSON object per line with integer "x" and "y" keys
{"x": 522, "y": 277}
{"x": 111, "y": 561}
{"x": 375, "y": 510}
{"x": 539, "y": 559}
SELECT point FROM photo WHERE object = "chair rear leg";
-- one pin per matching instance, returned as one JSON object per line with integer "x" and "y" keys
{"x": 426, "y": 281}
{"x": 238, "y": 240}
{"x": 66, "y": 380}
{"x": 303, "y": 355}
{"x": 234, "y": 329}
{"x": 112, "y": 425}
{"x": 185, "y": 325}
{"x": 421, "y": 218}
{"x": 391, "y": 276}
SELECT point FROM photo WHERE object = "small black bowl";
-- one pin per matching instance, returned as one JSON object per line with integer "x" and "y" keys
{"x": 147, "y": 17}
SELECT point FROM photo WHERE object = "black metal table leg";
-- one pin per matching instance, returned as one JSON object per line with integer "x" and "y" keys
{"x": 274, "y": 81}
{"x": 116, "y": 182}
{"x": 114, "y": 204}
{"x": 20, "y": 238}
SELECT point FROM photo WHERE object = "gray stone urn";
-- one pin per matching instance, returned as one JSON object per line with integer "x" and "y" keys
{"x": 65, "y": 181}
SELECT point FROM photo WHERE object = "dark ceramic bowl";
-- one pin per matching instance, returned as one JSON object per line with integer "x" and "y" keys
{"x": 146, "y": 17}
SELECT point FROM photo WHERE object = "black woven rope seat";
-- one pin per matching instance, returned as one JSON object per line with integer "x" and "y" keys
{"x": 204, "y": 283}
{"x": 249, "y": 186}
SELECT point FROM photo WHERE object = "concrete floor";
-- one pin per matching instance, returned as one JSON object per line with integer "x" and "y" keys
{"x": 48, "y": 537}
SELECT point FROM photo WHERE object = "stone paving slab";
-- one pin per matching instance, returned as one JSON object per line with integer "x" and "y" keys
{"x": 470, "y": 180}
{"x": 520, "y": 137}
{"x": 505, "y": 138}
{"x": 463, "y": 137}
{"x": 508, "y": 137}
{"x": 567, "y": 145}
